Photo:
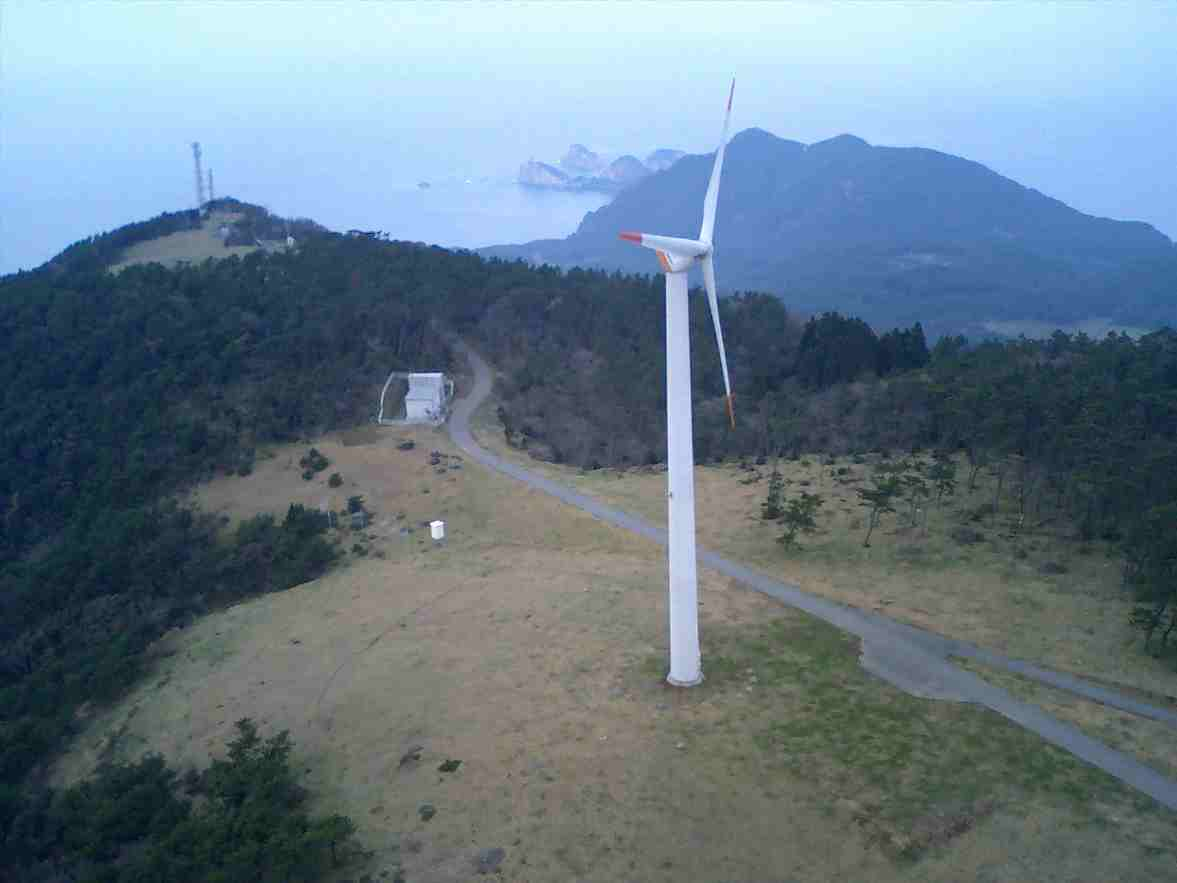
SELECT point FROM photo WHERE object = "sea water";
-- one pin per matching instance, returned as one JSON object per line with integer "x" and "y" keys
{"x": 52, "y": 203}
{"x": 465, "y": 212}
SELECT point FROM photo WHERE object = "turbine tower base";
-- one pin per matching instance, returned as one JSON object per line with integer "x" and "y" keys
{"x": 685, "y": 667}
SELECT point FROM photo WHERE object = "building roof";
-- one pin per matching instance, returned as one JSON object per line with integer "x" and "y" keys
{"x": 429, "y": 387}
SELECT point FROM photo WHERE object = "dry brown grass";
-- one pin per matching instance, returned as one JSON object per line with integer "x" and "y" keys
{"x": 530, "y": 647}
{"x": 186, "y": 246}
{"x": 983, "y": 593}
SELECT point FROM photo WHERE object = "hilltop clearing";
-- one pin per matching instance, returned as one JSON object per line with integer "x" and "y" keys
{"x": 188, "y": 246}
{"x": 500, "y": 699}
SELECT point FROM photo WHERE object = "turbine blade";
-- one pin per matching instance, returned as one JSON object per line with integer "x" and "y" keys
{"x": 713, "y": 302}
{"x": 708, "y": 228}
{"x": 687, "y": 248}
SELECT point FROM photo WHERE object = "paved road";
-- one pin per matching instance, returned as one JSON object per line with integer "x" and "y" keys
{"x": 913, "y": 660}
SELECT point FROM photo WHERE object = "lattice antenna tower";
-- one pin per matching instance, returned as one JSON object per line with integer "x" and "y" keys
{"x": 199, "y": 176}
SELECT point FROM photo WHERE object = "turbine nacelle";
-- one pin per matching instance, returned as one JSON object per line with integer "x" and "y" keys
{"x": 675, "y": 255}
{"x": 672, "y": 263}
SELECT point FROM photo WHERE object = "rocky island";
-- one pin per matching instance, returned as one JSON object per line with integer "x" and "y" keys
{"x": 583, "y": 169}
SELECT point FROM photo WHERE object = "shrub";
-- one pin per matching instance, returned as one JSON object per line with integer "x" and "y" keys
{"x": 966, "y": 536}
{"x": 980, "y": 513}
{"x": 313, "y": 462}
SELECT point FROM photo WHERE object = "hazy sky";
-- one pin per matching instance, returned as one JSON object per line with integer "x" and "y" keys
{"x": 322, "y": 109}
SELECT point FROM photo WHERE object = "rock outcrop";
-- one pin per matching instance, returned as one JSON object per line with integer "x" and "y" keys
{"x": 579, "y": 160}
{"x": 582, "y": 169}
{"x": 540, "y": 174}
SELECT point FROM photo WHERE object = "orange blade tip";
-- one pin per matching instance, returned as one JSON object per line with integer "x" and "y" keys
{"x": 632, "y": 237}
{"x": 731, "y": 411}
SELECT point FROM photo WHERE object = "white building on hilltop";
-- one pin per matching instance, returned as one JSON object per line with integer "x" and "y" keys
{"x": 425, "y": 402}
{"x": 426, "y": 397}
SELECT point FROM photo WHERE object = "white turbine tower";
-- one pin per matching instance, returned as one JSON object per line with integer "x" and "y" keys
{"x": 677, "y": 256}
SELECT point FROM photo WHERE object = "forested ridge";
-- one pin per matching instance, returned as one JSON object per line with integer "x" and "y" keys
{"x": 119, "y": 386}
{"x": 120, "y": 389}
{"x": 890, "y": 234}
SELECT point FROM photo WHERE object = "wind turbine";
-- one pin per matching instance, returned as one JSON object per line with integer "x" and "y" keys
{"x": 677, "y": 256}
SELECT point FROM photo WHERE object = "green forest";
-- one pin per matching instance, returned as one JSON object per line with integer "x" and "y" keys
{"x": 122, "y": 389}
{"x": 242, "y": 818}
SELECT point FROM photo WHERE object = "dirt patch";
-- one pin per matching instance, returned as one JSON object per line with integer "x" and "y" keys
{"x": 933, "y": 830}
{"x": 363, "y": 435}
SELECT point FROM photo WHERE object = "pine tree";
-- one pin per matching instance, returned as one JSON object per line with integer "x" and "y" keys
{"x": 879, "y": 499}
{"x": 943, "y": 475}
{"x": 800, "y": 516}
{"x": 773, "y": 506}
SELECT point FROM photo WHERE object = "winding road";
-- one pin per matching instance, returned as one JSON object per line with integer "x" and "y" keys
{"x": 913, "y": 660}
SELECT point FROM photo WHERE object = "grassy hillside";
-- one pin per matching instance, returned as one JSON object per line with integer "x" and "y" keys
{"x": 527, "y": 656}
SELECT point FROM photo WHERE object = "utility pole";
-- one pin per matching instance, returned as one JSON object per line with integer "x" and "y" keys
{"x": 211, "y": 196}
{"x": 199, "y": 176}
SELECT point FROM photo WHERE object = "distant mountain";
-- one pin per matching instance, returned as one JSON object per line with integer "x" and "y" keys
{"x": 892, "y": 234}
{"x": 539, "y": 174}
{"x": 625, "y": 170}
{"x": 608, "y": 178}
{"x": 663, "y": 158}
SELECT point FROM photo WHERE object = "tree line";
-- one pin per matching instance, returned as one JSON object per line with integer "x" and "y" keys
{"x": 1071, "y": 431}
